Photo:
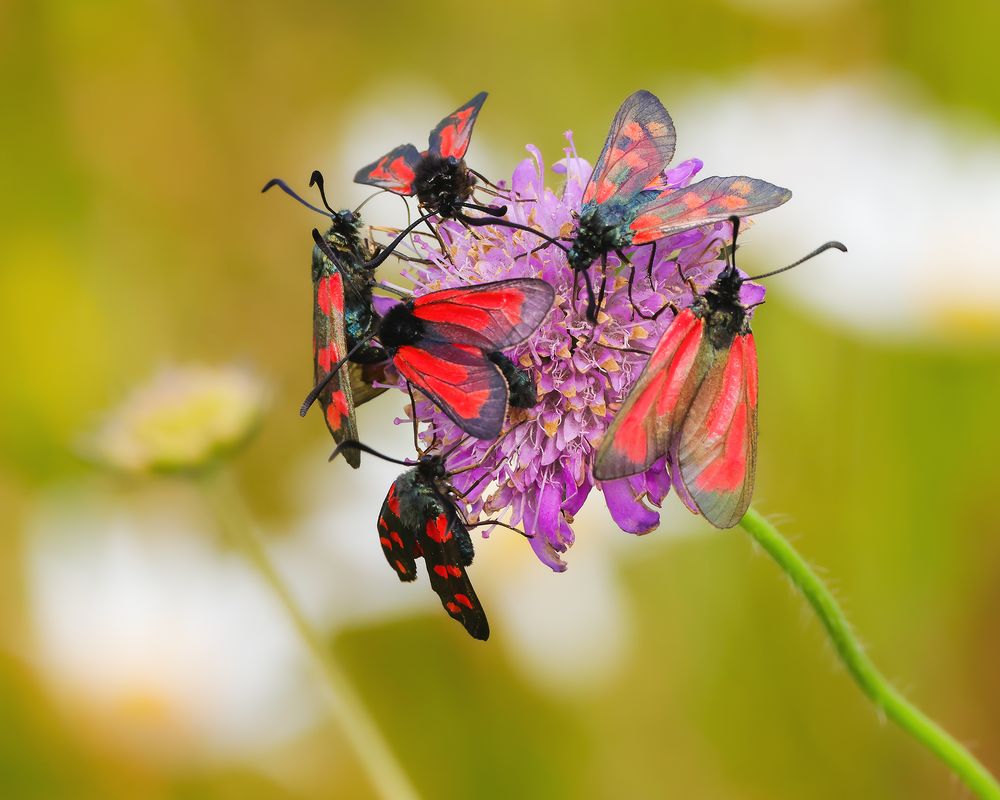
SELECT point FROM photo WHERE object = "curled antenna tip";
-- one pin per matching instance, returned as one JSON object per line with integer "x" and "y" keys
{"x": 316, "y": 177}
{"x": 838, "y": 245}
{"x": 269, "y": 184}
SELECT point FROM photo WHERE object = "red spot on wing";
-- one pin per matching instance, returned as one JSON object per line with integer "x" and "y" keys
{"x": 327, "y": 356}
{"x": 679, "y": 369}
{"x": 400, "y": 567}
{"x": 453, "y": 608}
{"x": 470, "y": 308}
{"x": 606, "y": 190}
{"x": 437, "y": 529}
{"x": 467, "y": 316}
{"x": 396, "y": 171}
{"x": 442, "y": 570}
{"x": 731, "y": 202}
{"x": 464, "y": 600}
{"x": 723, "y": 407}
{"x": 397, "y": 538}
{"x": 336, "y": 410}
{"x": 668, "y": 367}
{"x": 392, "y": 500}
{"x": 645, "y": 222}
{"x": 635, "y": 160}
{"x": 727, "y": 472}
{"x": 633, "y": 130}
{"x": 631, "y": 438}
{"x": 453, "y": 139}
{"x": 330, "y": 293}
{"x": 383, "y": 540}
{"x": 444, "y": 378}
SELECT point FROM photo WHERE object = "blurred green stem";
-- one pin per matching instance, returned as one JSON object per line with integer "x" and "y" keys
{"x": 872, "y": 682}
{"x": 383, "y": 770}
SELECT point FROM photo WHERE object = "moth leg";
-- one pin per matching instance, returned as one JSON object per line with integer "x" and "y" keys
{"x": 413, "y": 419}
{"x": 444, "y": 250}
{"x": 603, "y": 290}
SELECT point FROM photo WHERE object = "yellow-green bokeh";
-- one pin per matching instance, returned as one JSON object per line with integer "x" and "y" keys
{"x": 136, "y": 137}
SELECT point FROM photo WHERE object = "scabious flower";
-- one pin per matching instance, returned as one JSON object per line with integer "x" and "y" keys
{"x": 540, "y": 467}
{"x": 182, "y": 419}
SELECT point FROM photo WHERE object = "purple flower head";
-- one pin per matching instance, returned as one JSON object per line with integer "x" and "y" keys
{"x": 540, "y": 468}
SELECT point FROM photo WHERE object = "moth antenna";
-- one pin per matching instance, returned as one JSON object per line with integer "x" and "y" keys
{"x": 474, "y": 221}
{"x": 485, "y": 455}
{"x": 319, "y": 387}
{"x": 493, "y": 211}
{"x": 388, "y": 287}
{"x": 387, "y": 251}
{"x": 446, "y": 455}
{"x": 483, "y": 178}
{"x": 821, "y": 249}
{"x": 291, "y": 192}
{"x": 316, "y": 179}
{"x": 364, "y": 202}
{"x": 324, "y": 245}
{"x": 486, "y": 522}
{"x": 352, "y": 444}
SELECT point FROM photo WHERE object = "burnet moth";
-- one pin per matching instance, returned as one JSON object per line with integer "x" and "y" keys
{"x": 444, "y": 343}
{"x": 439, "y": 177}
{"x": 421, "y": 518}
{"x": 624, "y": 207}
{"x": 343, "y": 317}
{"x": 696, "y": 402}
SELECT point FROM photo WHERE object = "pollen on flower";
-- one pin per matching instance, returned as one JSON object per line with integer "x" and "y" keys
{"x": 540, "y": 469}
{"x": 183, "y": 418}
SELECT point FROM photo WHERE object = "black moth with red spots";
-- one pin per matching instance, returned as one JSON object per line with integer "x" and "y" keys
{"x": 420, "y": 518}
{"x": 438, "y": 176}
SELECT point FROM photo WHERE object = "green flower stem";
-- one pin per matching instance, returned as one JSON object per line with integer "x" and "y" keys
{"x": 383, "y": 769}
{"x": 864, "y": 672}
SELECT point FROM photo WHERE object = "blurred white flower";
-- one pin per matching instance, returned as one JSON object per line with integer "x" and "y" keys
{"x": 906, "y": 189}
{"x": 170, "y": 647}
{"x": 183, "y": 418}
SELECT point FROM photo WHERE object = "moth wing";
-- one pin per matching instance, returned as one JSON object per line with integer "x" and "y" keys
{"x": 452, "y": 135}
{"x": 441, "y": 542}
{"x": 329, "y": 346}
{"x": 703, "y": 203}
{"x": 716, "y": 447}
{"x": 461, "y": 381}
{"x": 395, "y": 171}
{"x": 640, "y": 144}
{"x": 642, "y": 430}
{"x": 491, "y": 316}
{"x": 399, "y": 543}
{"x": 362, "y": 378}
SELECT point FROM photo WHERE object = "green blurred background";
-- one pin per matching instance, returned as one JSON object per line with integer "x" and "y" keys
{"x": 136, "y": 137}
